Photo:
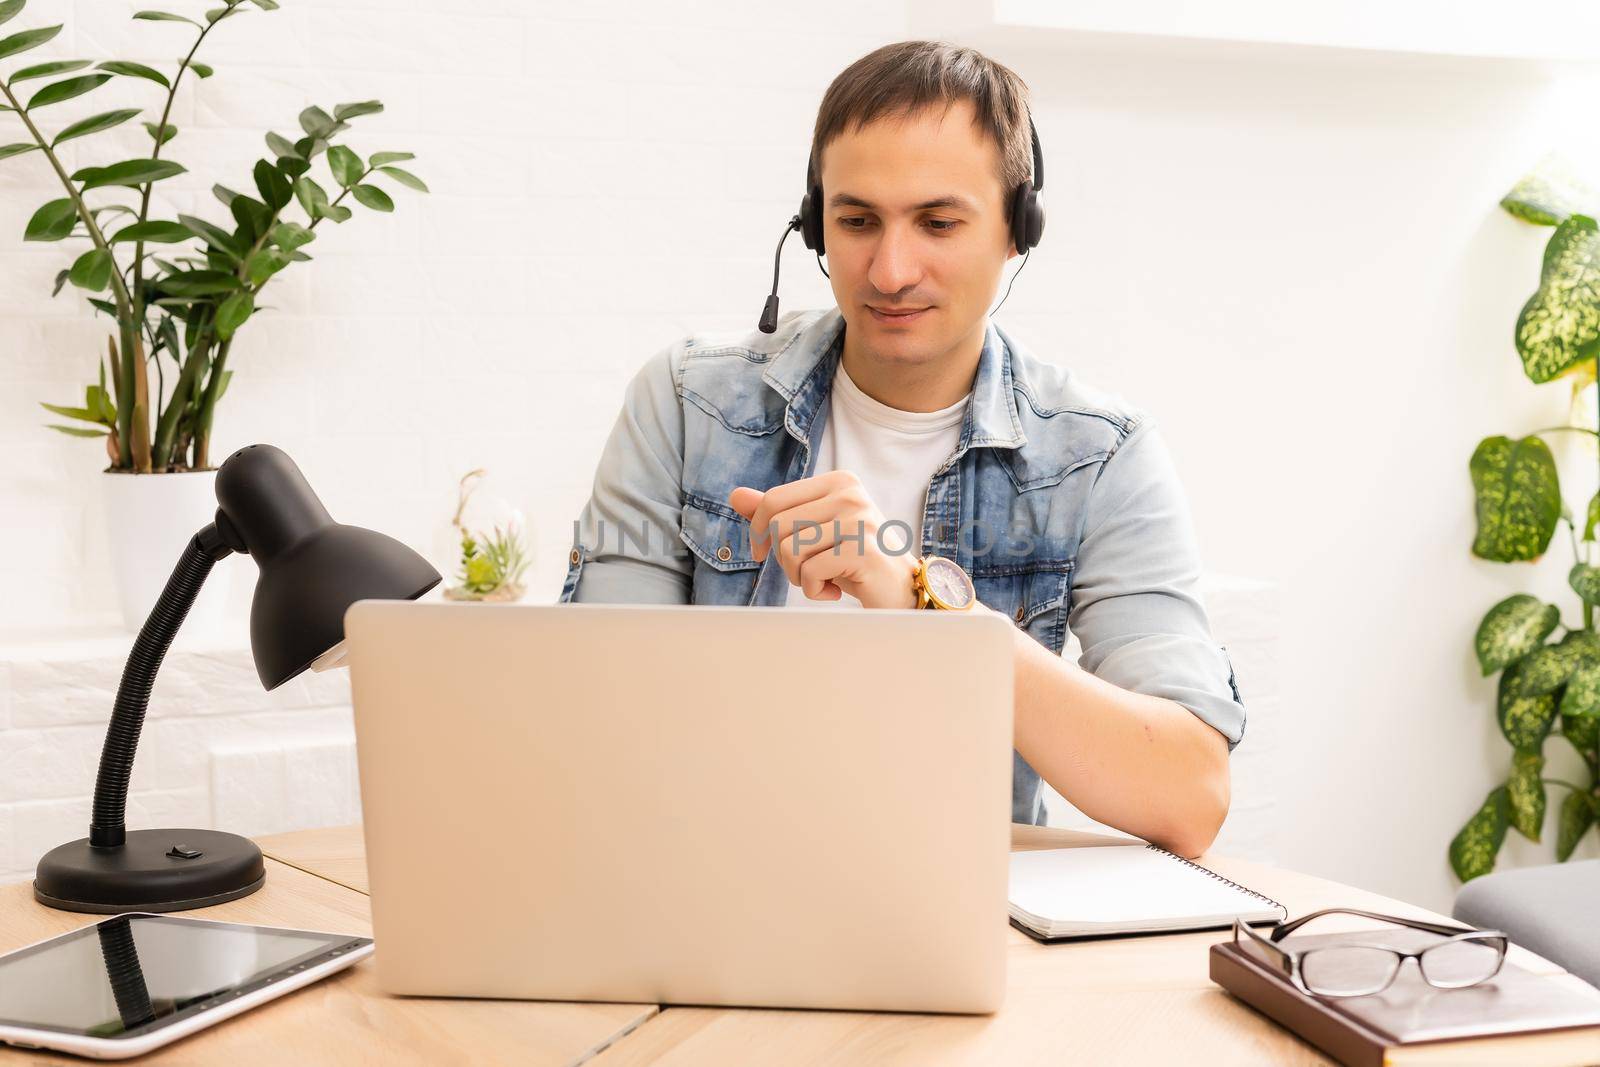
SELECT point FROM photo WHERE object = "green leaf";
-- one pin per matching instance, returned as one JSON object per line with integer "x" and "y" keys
{"x": 1549, "y": 194}
{"x": 263, "y": 264}
{"x": 212, "y": 234}
{"x": 343, "y": 112}
{"x": 1582, "y": 730}
{"x": 312, "y": 197}
{"x": 203, "y": 70}
{"x": 1473, "y": 849}
{"x": 1512, "y": 629}
{"x": 95, "y": 123}
{"x": 224, "y": 194}
{"x": 233, "y": 313}
{"x": 346, "y": 165}
{"x": 1577, "y": 815}
{"x": 274, "y": 187}
{"x": 165, "y": 16}
{"x": 1518, "y": 498}
{"x": 337, "y": 212}
{"x": 52, "y": 222}
{"x": 84, "y": 414}
{"x": 200, "y": 283}
{"x": 291, "y": 235}
{"x": 100, "y": 400}
{"x": 380, "y": 158}
{"x": 1544, "y": 670}
{"x": 281, "y": 146}
{"x": 136, "y": 70}
{"x": 406, "y": 178}
{"x": 61, "y": 280}
{"x": 317, "y": 122}
{"x": 1585, "y": 646}
{"x": 266, "y": 5}
{"x": 1560, "y": 324}
{"x": 1524, "y": 720}
{"x": 162, "y": 135}
{"x": 1585, "y": 581}
{"x": 11, "y": 9}
{"x": 252, "y": 216}
{"x": 373, "y": 197}
{"x": 56, "y": 92}
{"x": 21, "y": 42}
{"x": 293, "y": 167}
{"x": 217, "y": 14}
{"x": 131, "y": 172}
{"x": 1593, "y": 519}
{"x": 1525, "y": 794}
{"x": 46, "y": 70}
{"x": 154, "y": 232}
{"x": 7, "y": 151}
{"x": 92, "y": 271}
{"x": 77, "y": 431}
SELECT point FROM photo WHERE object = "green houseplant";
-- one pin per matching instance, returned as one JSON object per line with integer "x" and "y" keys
{"x": 180, "y": 313}
{"x": 1548, "y": 684}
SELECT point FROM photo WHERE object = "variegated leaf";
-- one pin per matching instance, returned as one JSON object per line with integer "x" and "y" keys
{"x": 1585, "y": 646}
{"x": 1524, "y": 720}
{"x": 1549, "y": 193}
{"x": 1585, "y": 581}
{"x": 1584, "y": 733}
{"x": 1512, "y": 629}
{"x": 1573, "y": 821}
{"x": 1525, "y": 794}
{"x": 1518, "y": 498}
{"x": 1560, "y": 324}
{"x": 1474, "y": 848}
{"x": 1545, "y": 669}
{"x": 1582, "y": 694}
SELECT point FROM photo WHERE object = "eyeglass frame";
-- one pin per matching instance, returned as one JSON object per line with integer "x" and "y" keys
{"x": 1290, "y": 959}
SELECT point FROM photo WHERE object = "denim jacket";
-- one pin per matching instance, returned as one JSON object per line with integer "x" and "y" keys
{"x": 1060, "y": 501}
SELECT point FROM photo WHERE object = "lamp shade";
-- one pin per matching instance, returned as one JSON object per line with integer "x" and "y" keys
{"x": 312, "y": 568}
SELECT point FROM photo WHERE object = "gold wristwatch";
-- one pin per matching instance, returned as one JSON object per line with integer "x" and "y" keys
{"x": 941, "y": 583}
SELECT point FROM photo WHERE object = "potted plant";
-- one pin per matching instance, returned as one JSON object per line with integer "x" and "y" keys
{"x": 178, "y": 290}
{"x": 1549, "y": 670}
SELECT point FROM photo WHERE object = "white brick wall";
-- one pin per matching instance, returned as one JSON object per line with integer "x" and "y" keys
{"x": 217, "y": 750}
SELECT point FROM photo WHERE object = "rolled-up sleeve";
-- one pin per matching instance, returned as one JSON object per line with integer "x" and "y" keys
{"x": 1136, "y": 608}
{"x": 627, "y": 547}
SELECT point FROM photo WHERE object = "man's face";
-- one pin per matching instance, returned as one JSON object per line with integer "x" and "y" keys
{"x": 915, "y": 218}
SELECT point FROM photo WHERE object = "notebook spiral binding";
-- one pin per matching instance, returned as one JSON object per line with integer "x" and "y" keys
{"x": 1225, "y": 881}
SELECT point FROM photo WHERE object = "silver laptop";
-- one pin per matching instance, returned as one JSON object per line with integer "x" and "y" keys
{"x": 686, "y": 805}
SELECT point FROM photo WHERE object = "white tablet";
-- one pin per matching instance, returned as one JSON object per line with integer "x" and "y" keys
{"x": 133, "y": 983}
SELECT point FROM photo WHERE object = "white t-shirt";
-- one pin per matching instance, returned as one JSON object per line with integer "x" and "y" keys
{"x": 893, "y": 452}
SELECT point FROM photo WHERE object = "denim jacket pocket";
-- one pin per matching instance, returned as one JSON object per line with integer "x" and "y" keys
{"x": 725, "y": 569}
{"x": 1033, "y": 593}
{"x": 575, "y": 561}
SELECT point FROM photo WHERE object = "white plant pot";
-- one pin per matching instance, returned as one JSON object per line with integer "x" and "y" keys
{"x": 150, "y": 519}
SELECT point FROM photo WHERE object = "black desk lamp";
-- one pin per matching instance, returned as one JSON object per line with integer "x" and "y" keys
{"x": 312, "y": 569}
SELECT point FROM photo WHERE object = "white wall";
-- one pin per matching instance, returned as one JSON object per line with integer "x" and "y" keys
{"x": 1294, "y": 261}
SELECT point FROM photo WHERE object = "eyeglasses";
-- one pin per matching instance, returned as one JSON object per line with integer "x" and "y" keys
{"x": 1357, "y": 968}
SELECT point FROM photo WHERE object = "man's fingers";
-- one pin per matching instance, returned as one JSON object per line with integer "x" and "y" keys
{"x": 745, "y": 500}
{"x": 790, "y": 495}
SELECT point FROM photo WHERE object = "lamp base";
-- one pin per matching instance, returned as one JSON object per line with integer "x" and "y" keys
{"x": 153, "y": 870}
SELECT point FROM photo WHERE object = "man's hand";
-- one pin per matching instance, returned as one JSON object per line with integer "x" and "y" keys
{"x": 825, "y": 530}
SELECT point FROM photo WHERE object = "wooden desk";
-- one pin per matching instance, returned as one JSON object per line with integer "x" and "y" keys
{"x": 342, "y": 1019}
{"x": 1132, "y": 1000}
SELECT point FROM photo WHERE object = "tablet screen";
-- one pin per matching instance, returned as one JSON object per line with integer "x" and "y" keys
{"x": 135, "y": 973}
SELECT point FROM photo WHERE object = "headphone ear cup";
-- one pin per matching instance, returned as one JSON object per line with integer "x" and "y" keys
{"x": 1027, "y": 218}
{"x": 811, "y": 220}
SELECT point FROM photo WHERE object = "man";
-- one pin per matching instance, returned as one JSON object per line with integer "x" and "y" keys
{"x": 799, "y": 466}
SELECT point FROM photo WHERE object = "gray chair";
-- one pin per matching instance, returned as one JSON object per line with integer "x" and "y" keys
{"x": 1548, "y": 910}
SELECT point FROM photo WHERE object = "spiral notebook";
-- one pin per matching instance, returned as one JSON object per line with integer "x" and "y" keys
{"x": 1105, "y": 890}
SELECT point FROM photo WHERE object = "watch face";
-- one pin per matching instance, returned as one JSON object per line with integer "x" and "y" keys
{"x": 948, "y": 582}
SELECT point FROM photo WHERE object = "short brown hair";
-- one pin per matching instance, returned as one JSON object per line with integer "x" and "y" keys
{"x": 902, "y": 78}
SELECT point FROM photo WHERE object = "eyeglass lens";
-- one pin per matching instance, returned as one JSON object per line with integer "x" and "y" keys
{"x": 1462, "y": 963}
{"x": 1347, "y": 971}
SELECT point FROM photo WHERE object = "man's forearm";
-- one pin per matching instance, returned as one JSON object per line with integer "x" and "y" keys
{"x": 1142, "y": 764}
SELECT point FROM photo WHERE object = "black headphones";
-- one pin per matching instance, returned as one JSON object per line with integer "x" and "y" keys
{"x": 1027, "y": 221}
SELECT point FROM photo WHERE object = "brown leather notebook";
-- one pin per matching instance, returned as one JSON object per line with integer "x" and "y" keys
{"x": 1518, "y": 1017}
